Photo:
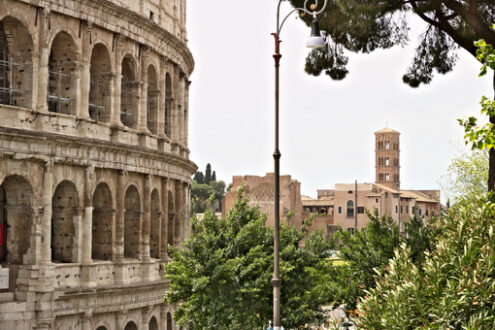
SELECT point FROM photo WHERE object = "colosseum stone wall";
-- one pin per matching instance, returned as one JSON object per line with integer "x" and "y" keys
{"x": 94, "y": 164}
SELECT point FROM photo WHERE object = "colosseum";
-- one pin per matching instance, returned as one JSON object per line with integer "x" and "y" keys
{"x": 94, "y": 165}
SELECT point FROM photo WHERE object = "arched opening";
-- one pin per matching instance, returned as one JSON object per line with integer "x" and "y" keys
{"x": 130, "y": 326}
{"x": 169, "y": 321}
{"x": 155, "y": 225}
{"x": 129, "y": 93}
{"x": 62, "y": 66}
{"x": 101, "y": 248}
{"x": 132, "y": 219}
{"x": 16, "y": 218}
{"x": 168, "y": 104}
{"x": 350, "y": 209}
{"x": 101, "y": 328}
{"x": 152, "y": 106}
{"x": 99, "y": 92}
{"x": 64, "y": 205}
{"x": 16, "y": 63}
{"x": 171, "y": 220}
{"x": 153, "y": 325}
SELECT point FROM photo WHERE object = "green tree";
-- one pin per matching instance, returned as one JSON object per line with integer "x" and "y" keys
{"x": 455, "y": 289}
{"x": 200, "y": 194}
{"x": 199, "y": 177}
{"x": 482, "y": 137}
{"x": 222, "y": 278}
{"x": 467, "y": 176}
{"x": 371, "y": 249}
{"x": 214, "y": 176}
{"x": 208, "y": 173}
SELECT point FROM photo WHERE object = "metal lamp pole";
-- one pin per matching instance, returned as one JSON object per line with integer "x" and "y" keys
{"x": 315, "y": 41}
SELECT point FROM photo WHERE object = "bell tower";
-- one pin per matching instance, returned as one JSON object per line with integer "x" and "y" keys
{"x": 387, "y": 158}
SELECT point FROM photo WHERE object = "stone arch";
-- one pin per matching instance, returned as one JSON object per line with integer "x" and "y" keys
{"x": 100, "y": 76}
{"x": 169, "y": 321}
{"x": 153, "y": 324}
{"x": 101, "y": 327}
{"x": 171, "y": 219}
{"x": 131, "y": 326}
{"x": 62, "y": 72}
{"x": 132, "y": 222}
{"x": 152, "y": 100}
{"x": 16, "y": 219}
{"x": 155, "y": 225}
{"x": 129, "y": 92}
{"x": 65, "y": 202}
{"x": 168, "y": 104}
{"x": 16, "y": 63}
{"x": 101, "y": 248}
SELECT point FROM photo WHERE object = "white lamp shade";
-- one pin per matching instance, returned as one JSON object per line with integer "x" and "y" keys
{"x": 315, "y": 42}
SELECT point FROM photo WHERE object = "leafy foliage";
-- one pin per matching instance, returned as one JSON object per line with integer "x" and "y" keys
{"x": 456, "y": 288}
{"x": 222, "y": 278}
{"x": 372, "y": 248}
{"x": 466, "y": 176}
{"x": 364, "y": 26}
{"x": 204, "y": 188}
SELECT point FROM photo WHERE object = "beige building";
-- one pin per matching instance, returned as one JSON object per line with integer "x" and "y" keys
{"x": 94, "y": 164}
{"x": 261, "y": 191}
{"x": 351, "y": 201}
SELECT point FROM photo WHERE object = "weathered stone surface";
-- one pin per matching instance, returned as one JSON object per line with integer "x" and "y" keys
{"x": 94, "y": 165}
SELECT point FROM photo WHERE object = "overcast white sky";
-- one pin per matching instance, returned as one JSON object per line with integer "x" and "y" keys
{"x": 326, "y": 129}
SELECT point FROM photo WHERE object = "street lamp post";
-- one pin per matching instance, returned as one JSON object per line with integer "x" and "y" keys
{"x": 315, "y": 41}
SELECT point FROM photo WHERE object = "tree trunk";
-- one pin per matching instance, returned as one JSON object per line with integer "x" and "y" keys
{"x": 491, "y": 164}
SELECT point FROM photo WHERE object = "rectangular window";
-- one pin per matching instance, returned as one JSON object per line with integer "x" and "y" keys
{"x": 360, "y": 210}
{"x": 387, "y": 161}
{"x": 401, "y": 209}
{"x": 340, "y": 209}
{"x": 419, "y": 211}
{"x": 395, "y": 195}
{"x": 350, "y": 230}
{"x": 386, "y": 195}
{"x": 387, "y": 145}
{"x": 387, "y": 177}
{"x": 396, "y": 209}
{"x": 376, "y": 200}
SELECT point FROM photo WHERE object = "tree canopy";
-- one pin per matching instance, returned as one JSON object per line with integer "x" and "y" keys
{"x": 222, "y": 277}
{"x": 364, "y": 26}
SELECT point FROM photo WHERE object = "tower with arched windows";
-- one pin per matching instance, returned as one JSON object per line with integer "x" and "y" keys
{"x": 387, "y": 158}
{"x": 95, "y": 175}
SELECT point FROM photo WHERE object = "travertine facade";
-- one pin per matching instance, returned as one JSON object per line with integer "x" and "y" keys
{"x": 94, "y": 165}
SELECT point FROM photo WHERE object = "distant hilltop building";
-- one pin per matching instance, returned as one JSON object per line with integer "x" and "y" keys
{"x": 346, "y": 205}
{"x": 95, "y": 176}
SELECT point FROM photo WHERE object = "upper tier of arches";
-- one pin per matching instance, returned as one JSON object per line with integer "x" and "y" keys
{"x": 103, "y": 84}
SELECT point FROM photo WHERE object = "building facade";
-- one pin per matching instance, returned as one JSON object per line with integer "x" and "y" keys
{"x": 353, "y": 200}
{"x": 94, "y": 164}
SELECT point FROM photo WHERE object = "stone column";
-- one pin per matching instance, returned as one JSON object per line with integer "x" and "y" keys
{"x": 143, "y": 114}
{"x": 86, "y": 320}
{"x": 176, "y": 106}
{"x": 117, "y": 85}
{"x": 119, "y": 225}
{"x": 118, "y": 248}
{"x": 43, "y": 62}
{"x": 85, "y": 71}
{"x": 161, "y": 98}
{"x": 164, "y": 221}
{"x": 85, "y": 88}
{"x": 179, "y": 211}
{"x": 75, "y": 94}
{"x": 146, "y": 219}
{"x": 186, "y": 112}
{"x": 46, "y": 221}
{"x": 89, "y": 186}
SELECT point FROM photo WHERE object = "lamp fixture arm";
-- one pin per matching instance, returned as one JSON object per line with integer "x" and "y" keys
{"x": 301, "y": 10}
